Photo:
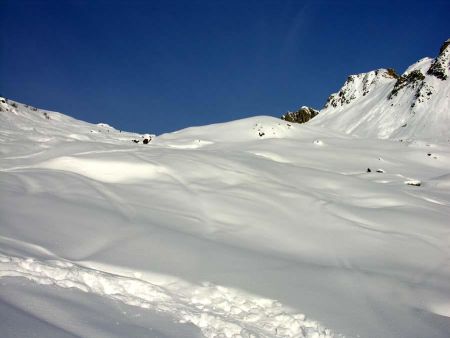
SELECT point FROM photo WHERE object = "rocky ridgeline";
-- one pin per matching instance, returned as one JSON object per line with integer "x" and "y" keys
{"x": 362, "y": 84}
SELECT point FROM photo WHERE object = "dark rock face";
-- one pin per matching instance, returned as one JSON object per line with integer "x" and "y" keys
{"x": 444, "y": 46}
{"x": 304, "y": 114}
{"x": 440, "y": 65}
{"x": 345, "y": 96}
{"x": 413, "y": 79}
{"x": 416, "y": 81}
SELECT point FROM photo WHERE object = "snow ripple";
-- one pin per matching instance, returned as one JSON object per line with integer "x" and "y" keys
{"x": 218, "y": 311}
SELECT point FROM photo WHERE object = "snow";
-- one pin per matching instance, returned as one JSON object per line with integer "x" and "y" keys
{"x": 105, "y": 171}
{"x": 28, "y": 309}
{"x": 252, "y": 228}
{"x": 217, "y": 311}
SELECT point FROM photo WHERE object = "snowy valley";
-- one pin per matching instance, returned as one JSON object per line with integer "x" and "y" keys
{"x": 253, "y": 228}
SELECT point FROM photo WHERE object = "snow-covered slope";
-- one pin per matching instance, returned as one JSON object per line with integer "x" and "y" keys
{"x": 229, "y": 230}
{"x": 382, "y": 104}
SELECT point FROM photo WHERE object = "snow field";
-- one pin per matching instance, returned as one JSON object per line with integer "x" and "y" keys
{"x": 294, "y": 217}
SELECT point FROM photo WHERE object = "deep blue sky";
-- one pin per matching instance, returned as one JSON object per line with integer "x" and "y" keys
{"x": 158, "y": 66}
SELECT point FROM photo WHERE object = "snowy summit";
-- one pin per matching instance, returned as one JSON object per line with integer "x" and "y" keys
{"x": 258, "y": 227}
{"x": 383, "y": 104}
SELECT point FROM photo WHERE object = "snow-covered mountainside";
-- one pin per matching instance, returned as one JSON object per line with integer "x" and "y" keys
{"x": 382, "y": 104}
{"x": 236, "y": 229}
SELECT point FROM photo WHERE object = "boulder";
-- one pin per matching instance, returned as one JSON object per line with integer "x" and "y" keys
{"x": 304, "y": 114}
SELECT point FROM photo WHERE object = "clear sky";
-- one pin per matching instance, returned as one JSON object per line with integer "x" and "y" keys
{"x": 158, "y": 66}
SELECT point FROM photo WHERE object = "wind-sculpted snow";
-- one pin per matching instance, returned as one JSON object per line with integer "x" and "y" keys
{"x": 351, "y": 231}
{"x": 218, "y": 311}
{"x": 105, "y": 171}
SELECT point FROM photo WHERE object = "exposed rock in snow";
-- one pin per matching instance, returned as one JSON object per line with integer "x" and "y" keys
{"x": 413, "y": 80}
{"x": 416, "y": 183}
{"x": 440, "y": 65}
{"x": 304, "y": 114}
{"x": 359, "y": 85}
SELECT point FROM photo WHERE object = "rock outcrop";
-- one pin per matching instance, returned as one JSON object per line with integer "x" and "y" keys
{"x": 440, "y": 66}
{"x": 304, "y": 114}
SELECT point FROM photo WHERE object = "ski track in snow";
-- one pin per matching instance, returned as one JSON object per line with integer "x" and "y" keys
{"x": 218, "y": 311}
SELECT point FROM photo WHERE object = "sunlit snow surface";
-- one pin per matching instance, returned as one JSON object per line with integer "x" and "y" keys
{"x": 222, "y": 231}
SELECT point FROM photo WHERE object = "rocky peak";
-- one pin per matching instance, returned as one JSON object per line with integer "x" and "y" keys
{"x": 304, "y": 114}
{"x": 359, "y": 85}
{"x": 383, "y": 104}
{"x": 441, "y": 64}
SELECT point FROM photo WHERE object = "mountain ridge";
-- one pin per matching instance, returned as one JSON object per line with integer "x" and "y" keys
{"x": 382, "y": 104}
{"x": 379, "y": 103}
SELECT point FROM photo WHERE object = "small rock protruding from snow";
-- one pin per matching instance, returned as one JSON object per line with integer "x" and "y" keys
{"x": 416, "y": 183}
{"x": 147, "y": 138}
{"x": 3, "y": 104}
